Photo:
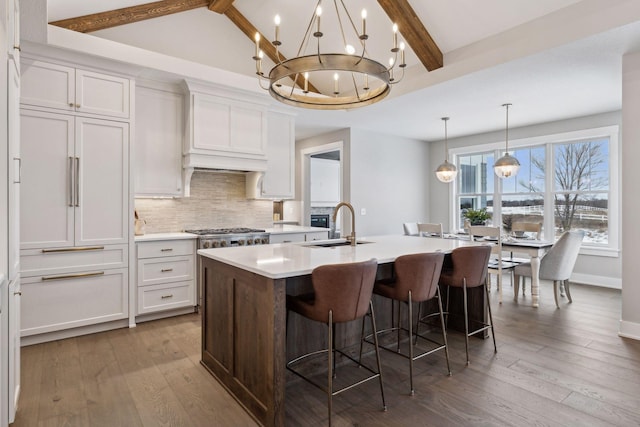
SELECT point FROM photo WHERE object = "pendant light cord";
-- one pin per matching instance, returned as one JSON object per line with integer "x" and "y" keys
{"x": 446, "y": 147}
{"x": 507, "y": 128}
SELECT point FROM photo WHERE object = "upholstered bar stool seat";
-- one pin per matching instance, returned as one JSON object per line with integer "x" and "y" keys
{"x": 469, "y": 270}
{"x": 415, "y": 280}
{"x": 342, "y": 293}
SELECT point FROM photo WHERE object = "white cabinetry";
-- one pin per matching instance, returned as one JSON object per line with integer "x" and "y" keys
{"x": 325, "y": 182}
{"x": 308, "y": 236}
{"x": 158, "y": 142}
{"x": 74, "y": 181}
{"x": 15, "y": 296}
{"x": 57, "y": 302}
{"x": 66, "y": 88}
{"x": 165, "y": 275}
{"x": 278, "y": 180}
{"x": 13, "y": 134}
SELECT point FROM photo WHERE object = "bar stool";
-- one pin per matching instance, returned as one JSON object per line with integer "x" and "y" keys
{"x": 415, "y": 280}
{"x": 342, "y": 293}
{"x": 469, "y": 270}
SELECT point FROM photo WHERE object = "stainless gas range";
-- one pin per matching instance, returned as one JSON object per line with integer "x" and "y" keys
{"x": 224, "y": 237}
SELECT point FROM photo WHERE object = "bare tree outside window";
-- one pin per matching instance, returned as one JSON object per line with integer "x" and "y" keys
{"x": 580, "y": 178}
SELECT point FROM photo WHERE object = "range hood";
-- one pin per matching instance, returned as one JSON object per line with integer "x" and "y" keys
{"x": 226, "y": 131}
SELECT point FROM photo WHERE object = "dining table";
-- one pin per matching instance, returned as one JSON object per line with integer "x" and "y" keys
{"x": 535, "y": 249}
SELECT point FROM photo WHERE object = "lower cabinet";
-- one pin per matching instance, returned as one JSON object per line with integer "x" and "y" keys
{"x": 166, "y": 275}
{"x": 56, "y": 302}
{"x": 298, "y": 237}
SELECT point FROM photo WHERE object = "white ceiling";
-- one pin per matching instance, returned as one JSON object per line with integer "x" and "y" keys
{"x": 553, "y": 59}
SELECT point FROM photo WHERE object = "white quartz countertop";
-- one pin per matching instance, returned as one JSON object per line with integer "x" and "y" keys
{"x": 277, "y": 261}
{"x": 164, "y": 236}
{"x": 290, "y": 229}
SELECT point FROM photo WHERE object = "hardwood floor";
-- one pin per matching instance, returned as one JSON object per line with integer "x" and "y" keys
{"x": 553, "y": 367}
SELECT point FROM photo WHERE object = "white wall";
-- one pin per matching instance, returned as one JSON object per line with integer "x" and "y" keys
{"x": 630, "y": 152}
{"x": 390, "y": 179}
{"x": 595, "y": 270}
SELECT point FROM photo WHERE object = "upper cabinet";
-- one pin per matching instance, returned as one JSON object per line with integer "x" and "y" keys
{"x": 277, "y": 182}
{"x": 71, "y": 89}
{"x": 159, "y": 133}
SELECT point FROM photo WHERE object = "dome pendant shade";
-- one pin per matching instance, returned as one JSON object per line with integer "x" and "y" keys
{"x": 507, "y": 165}
{"x": 446, "y": 172}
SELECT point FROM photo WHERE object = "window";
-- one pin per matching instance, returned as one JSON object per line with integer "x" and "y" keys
{"x": 565, "y": 182}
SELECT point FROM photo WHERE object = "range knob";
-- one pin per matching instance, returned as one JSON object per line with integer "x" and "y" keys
{"x": 265, "y": 241}
{"x": 223, "y": 244}
{"x": 249, "y": 241}
{"x": 206, "y": 244}
{"x": 240, "y": 242}
{"x": 215, "y": 244}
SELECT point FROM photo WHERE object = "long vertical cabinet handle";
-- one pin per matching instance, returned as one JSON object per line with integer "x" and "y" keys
{"x": 77, "y": 181}
{"x": 71, "y": 183}
{"x": 18, "y": 179}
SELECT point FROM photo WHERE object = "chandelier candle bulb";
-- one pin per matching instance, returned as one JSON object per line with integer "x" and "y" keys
{"x": 257, "y": 37}
{"x": 277, "y": 22}
{"x": 395, "y": 38}
{"x": 402, "y": 46}
{"x": 318, "y": 15}
{"x": 306, "y": 82}
{"x": 366, "y": 82}
{"x": 335, "y": 84}
{"x": 364, "y": 22}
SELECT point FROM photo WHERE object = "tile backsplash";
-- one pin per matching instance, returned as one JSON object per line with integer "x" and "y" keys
{"x": 217, "y": 200}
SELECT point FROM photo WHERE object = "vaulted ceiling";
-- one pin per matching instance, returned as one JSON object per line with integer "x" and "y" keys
{"x": 553, "y": 59}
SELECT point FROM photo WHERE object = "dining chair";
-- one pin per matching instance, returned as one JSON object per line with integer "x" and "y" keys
{"x": 411, "y": 229}
{"x": 525, "y": 229}
{"x": 341, "y": 293}
{"x": 415, "y": 280}
{"x": 556, "y": 265}
{"x": 426, "y": 229}
{"x": 496, "y": 264}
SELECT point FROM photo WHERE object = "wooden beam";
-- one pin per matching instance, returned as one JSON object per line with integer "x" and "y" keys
{"x": 128, "y": 15}
{"x": 220, "y": 6}
{"x": 267, "y": 47}
{"x": 414, "y": 32}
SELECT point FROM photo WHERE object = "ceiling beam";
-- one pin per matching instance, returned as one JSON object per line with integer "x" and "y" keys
{"x": 267, "y": 47}
{"x": 220, "y": 6}
{"x": 128, "y": 15}
{"x": 414, "y": 32}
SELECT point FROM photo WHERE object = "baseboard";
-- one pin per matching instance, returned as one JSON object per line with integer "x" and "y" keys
{"x": 629, "y": 330}
{"x": 602, "y": 281}
{"x": 164, "y": 314}
{"x": 74, "y": 332}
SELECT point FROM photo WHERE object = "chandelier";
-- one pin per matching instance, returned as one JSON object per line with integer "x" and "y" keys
{"x": 507, "y": 165}
{"x": 357, "y": 79}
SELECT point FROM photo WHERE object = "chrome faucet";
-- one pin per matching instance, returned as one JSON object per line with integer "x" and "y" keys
{"x": 352, "y": 237}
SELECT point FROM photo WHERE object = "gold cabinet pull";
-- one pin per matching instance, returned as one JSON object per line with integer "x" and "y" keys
{"x": 72, "y": 276}
{"x": 74, "y": 249}
{"x": 166, "y": 270}
{"x": 166, "y": 296}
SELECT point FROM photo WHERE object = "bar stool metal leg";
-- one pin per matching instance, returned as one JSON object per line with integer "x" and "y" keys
{"x": 330, "y": 366}
{"x": 466, "y": 318}
{"x": 377, "y": 348}
{"x": 444, "y": 331}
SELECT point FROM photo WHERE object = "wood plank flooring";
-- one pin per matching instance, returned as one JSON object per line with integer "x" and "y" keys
{"x": 554, "y": 367}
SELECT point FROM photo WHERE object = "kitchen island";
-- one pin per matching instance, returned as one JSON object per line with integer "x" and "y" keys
{"x": 244, "y": 340}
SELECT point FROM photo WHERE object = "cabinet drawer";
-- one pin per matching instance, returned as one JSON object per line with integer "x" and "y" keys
{"x": 57, "y": 302}
{"x": 317, "y": 235}
{"x": 152, "y": 271}
{"x": 166, "y": 297}
{"x": 165, "y": 248}
{"x": 35, "y": 262}
{"x": 286, "y": 237}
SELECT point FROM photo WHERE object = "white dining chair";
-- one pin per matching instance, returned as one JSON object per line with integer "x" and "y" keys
{"x": 496, "y": 264}
{"x": 556, "y": 265}
{"x": 410, "y": 229}
{"x": 426, "y": 229}
{"x": 528, "y": 230}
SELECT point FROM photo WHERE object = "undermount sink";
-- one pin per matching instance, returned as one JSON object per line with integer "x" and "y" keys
{"x": 333, "y": 244}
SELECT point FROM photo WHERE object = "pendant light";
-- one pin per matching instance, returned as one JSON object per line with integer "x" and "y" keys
{"x": 507, "y": 165}
{"x": 446, "y": 172}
